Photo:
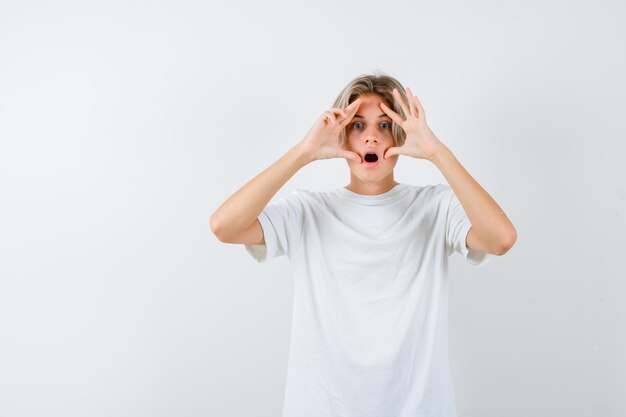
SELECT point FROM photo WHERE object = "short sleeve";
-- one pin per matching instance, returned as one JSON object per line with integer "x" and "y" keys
{"x": 457, "y": 227}
{"x": 282, "y": 223}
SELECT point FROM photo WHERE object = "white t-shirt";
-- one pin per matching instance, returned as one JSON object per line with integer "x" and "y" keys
{"x": 369, "y": 334}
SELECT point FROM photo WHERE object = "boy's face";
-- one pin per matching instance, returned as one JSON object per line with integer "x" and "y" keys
{"x": 370, "y": 131}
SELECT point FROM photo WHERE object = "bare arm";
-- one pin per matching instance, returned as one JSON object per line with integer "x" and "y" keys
{"x": 238, "y": 214}
{"x": 491, "y": 230}
{"x": 236, "y": 220}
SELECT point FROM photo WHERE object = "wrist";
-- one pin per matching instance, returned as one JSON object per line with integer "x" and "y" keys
{"x": 303, "y": 154}
{"x": 441, "y": 153}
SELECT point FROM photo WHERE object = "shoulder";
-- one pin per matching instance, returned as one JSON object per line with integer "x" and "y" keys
{"x": 441, "y": 188}
{"x": 296, "y": 195}
{"x": 432, "y": 197}
{"x": 442, "y": 191}
{"x": 431, "y": 191}
{"x": 301, "y": 199}
{"x": 312, "y": 197}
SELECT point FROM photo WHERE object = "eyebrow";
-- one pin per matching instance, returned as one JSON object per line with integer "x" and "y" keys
{"x": 379, "y": 116}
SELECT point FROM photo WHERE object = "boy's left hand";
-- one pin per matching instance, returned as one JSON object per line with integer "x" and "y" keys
{"x": 420, "y": 141}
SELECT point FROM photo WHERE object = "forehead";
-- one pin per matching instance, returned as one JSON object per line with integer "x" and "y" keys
{"x": 370, "y": 105}
{"x": 371, "y": 99}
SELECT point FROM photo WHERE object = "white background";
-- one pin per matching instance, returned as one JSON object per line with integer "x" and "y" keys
{"x": 124, "y": 125}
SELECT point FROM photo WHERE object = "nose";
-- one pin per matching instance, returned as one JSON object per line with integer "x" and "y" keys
{"x": 370, "y": 139}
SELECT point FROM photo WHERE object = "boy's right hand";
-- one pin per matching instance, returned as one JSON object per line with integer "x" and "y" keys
{"x": 322, "y": 141}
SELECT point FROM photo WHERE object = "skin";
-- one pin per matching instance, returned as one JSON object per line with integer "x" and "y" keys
{"x": 236, "y": 220}
{"x": 367, "y": 132}
{"x": 491, "y": 231}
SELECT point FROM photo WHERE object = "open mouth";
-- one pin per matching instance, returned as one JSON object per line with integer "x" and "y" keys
{"x": 370, "y": 157}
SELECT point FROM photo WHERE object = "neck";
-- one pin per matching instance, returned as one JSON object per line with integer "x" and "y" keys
{"x": 371, "y": 188}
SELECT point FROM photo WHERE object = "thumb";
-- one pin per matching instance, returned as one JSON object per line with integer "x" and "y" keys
{"x": 350, "y": 155}
{"x": 391, "y": 152}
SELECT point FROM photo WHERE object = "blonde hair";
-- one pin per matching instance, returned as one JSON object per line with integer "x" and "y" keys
{"x": 380, "y": 84}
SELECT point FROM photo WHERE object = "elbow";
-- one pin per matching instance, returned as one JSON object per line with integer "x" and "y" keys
{"x": 507, "y": 243}
{"x": 224, "y": 235}
{"x": 215, "y": 227}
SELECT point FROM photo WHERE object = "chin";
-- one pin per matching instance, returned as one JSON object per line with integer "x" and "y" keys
{"x": 371, "y": 176}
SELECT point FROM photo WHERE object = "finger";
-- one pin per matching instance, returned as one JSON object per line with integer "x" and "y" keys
{"x": 420, "y": 109}
{"x": 350, "y": 155}
{"x": 411, "y": 102}
{"x": 344, "y": 122}
{"x": 394, "y": 116}
{"x": 350, "y": 114}
{"x": 342, "y": 112}
{"x": 354, "y": 106}
{"x": 355, "y": 103}
{"x": 391, "y": 152}
{"x": 400, "y": 100}
{"x": 330, "y": 117}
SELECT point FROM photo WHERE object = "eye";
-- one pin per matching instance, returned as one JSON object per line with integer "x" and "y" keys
{"x": 385, "y": 125}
